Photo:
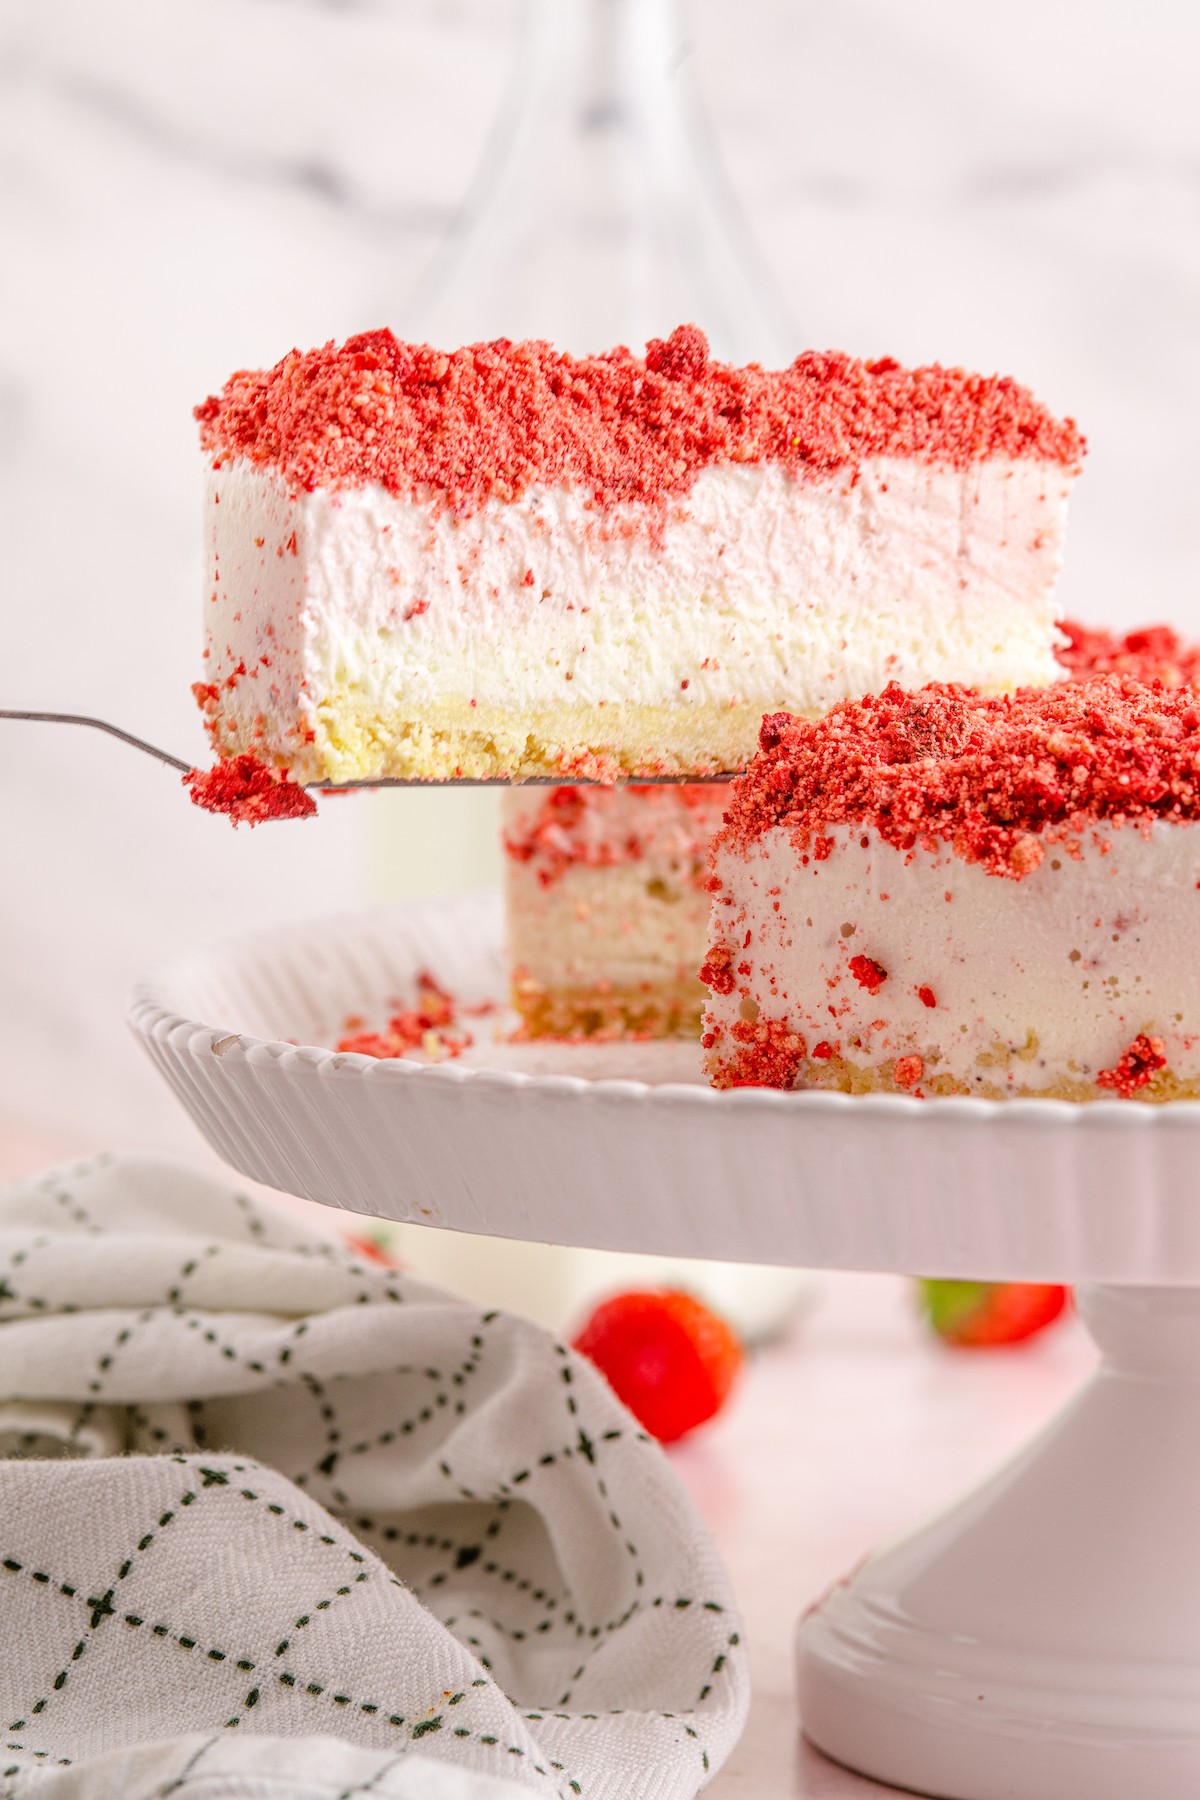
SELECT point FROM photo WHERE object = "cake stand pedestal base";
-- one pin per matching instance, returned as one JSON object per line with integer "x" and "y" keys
{"x": 1041, "y": 1641}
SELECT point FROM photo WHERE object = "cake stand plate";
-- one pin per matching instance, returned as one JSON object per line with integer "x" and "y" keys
{"x": 1040, "y": 1641}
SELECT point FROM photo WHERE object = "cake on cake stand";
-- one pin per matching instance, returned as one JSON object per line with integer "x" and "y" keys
{"x": 1039, "y": 1641}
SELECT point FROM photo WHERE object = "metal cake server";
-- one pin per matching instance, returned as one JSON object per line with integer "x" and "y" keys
{"x": 340, "y": 787}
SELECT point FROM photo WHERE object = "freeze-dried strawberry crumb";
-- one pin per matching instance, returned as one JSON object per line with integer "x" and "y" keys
{"x": 868, "y": 973}
{"x": 248, "y": 791}
{"x": 763, "y": 1053}
{"x": 430, "y": 1028}
{"x": 599, "y": 828}
{"x": 490, "y": 420}
{"x": 907, "y": 1071}
{"x": 926, "y": 996}
{"x": 1139, "y": 1064}
{"x": 716, "y": 972}
{"x": 995, "y": 778}
{"x": 1150, "y": 653}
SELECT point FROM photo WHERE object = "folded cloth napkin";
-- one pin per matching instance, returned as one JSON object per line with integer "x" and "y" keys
{"x": 278, "y": 1521}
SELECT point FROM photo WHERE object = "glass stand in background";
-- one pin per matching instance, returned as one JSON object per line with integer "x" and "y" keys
{"x": 600, "y": 216}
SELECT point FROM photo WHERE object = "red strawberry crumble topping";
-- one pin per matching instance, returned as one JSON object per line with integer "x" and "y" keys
{"x": 492, "y": 419}
{"x": 1139, "y": 1064}
{"x": 997, "y": 779}
{"x": 575, "y": 826}
{"x": 907, "y": 1071}
{"x": 767, "y": 1053}
{"x": 868, "y": 973}
{"x": 431, "y": 1028}
{"x": 717, "y": 971}
{"x": 248, "y": 791}
{"x": 1152, "y": 653}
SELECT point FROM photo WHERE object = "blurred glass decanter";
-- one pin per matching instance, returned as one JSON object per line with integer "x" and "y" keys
{"x": 600, "y": 214}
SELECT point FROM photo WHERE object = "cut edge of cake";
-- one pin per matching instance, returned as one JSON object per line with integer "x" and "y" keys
{"x": 606, "y": 896}
{"x": 939, "y": 893}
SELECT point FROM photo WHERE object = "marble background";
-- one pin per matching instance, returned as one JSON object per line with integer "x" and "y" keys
{"x": 186, "y": 189}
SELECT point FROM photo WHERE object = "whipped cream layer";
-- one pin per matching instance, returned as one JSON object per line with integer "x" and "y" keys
{"x": 607, "y": 888}
{"x": 874, "y": 966}
{"x": 354, "y": 633}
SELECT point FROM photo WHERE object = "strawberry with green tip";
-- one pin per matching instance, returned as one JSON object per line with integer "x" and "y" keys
{"x": 374, "y": 1246}
{"x": 982, "y": 1314}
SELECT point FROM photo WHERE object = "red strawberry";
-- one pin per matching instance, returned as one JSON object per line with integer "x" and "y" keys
{"x": 666, "y": 1356}
{"x": 980, "y": 1314}
{"x": 373, "y": 1249}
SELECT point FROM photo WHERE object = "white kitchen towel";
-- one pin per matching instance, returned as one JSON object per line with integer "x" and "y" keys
{"x": 276, "y": 1521}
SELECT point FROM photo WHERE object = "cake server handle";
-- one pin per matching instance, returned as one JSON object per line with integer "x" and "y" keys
{"x": 338, "y": 787}
{"x": 126, "y": 737}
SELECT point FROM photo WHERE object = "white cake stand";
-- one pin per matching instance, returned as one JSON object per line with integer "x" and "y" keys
{"x": 1040, "y": 1641}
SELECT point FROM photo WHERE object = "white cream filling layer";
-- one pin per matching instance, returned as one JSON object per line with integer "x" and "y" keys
{"x": 631, "y": 925}
{"x": 758, "y": 590}
{"x": 1044, "y": 980}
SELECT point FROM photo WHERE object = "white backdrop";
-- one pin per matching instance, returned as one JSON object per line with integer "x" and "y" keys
{"x": 190, "y": 188}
